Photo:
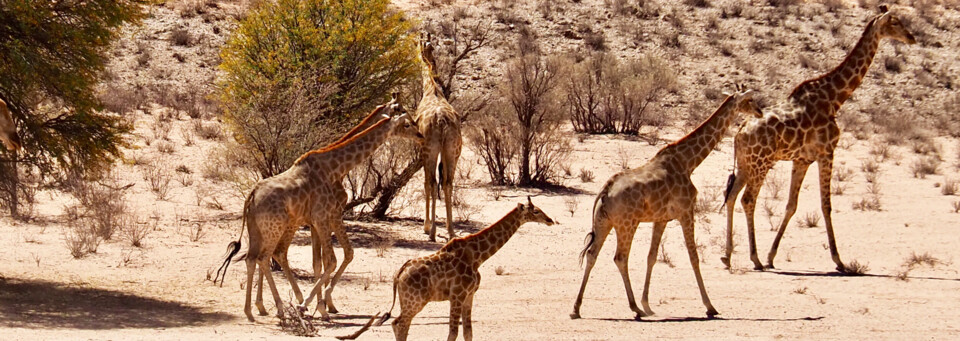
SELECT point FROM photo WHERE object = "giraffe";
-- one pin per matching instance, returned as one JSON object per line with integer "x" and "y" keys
{"x": 803, "y": 129}
{"x": 451, "y": 274}
{"x": 659, "y": 191}
{"x": 439, "y": 124}
{"x": 309, "y": 193}
{"x": 8, "y": 129}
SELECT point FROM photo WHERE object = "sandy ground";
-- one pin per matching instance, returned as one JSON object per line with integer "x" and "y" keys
{"x": 162, "y": 291}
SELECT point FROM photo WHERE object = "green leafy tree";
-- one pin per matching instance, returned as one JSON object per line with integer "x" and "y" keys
{"x": 297, "y": 73}
{"x": 52, "y": 56}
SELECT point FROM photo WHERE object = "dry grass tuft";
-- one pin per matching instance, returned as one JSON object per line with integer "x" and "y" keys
{"x": 949, "y": 187}
{"x": 571, "y": 203}
{"x": 811, "y": 219}
{"x": 925, "y": 165}
{"x": 586, "y": 175}
{"x": 383, "y": 245}
{"x": 854, "y": 268}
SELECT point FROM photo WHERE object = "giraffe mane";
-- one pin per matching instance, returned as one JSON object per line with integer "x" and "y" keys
{"x": 358, "y": 128}
{"x": 341, "y": 144}
{"x": 722, "y": 105}
{"x": 845, "y": 59}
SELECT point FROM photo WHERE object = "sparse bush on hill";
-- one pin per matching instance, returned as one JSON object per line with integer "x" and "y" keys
{"x": 604, "y": 95}
{"x": 297, "y": 72}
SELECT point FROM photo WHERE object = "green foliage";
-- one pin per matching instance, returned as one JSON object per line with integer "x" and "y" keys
{"x": 297, "y": 72}
{"x": 52, "y": 56}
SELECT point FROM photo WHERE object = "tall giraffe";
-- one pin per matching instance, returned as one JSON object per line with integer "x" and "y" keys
{"x": 310, "y": 193}
{"x": 803, "y": 129}
{"x": 8, "y": 129}
{"x": 452, "y": 273}
{"x": 659, "y": 191}
{"x": 440, "y": 126}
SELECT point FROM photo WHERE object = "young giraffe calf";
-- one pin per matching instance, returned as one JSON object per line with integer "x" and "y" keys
{"x": 451, "y": 274}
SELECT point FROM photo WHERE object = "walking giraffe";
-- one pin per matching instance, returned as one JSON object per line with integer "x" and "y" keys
{"x": 439, "y": 124}
{"x": 659, "y": 191}
{"x": 310, "y": 193}
{"x": 452, "y": 273}
{"x": 803, "y": 129}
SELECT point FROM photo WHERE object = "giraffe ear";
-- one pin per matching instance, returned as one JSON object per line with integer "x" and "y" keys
{"x": 883, "y": 8}
{"x": 520, "y": 206}
{"x": 529, "y": 202}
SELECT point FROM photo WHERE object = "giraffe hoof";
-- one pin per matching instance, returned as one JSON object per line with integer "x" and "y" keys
{"x": 842, "y": 269}
{"x": 758, "y": 267}
{"x": 712, "y": 313}
{"x": 726, "y": 262}
{"x": 575, "y": 316}
{"x": 770, "y": 266}
{"x": 639, "y": 317}
{"x": 333, "y": 310}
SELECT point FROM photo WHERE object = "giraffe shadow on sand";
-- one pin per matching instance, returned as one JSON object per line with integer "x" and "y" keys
{"x": 39, "y": 304}
{"x": 804, "y": 273}
{"x": 707, "y": 319}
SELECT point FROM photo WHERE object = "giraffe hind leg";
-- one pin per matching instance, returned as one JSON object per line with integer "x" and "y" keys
{"x": 796, "y": 180}
{"x": 731, "y": 202}
{"x": 597, "y": 237}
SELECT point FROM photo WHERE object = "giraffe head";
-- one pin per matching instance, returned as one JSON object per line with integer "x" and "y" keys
{"x": 8, "y": 129}
{"x": 426, "y": 51}
{"x": 403, "y": 125}
{"x": 888, "y": 26}
{"x": 533, "y": 214}
{"x": 744, "y": 102}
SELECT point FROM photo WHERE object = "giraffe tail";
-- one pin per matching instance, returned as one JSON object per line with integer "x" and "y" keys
{"x": 234, "y": 246}
{"x": 591, "y": 237}
{"x": 731, "y": 180}
{"x": 396, "y": 280}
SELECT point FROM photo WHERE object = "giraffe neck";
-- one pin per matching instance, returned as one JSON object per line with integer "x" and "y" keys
{"x": 430, "y": 84}
{"x": 367, "y": 122}
{"x": 838, "y": 85}
{"x": 337, "y": 160}
{"x": 488, "y": 241}
{"x": 688, "y": 152}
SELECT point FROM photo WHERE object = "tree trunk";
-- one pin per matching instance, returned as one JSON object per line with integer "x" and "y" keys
{"x": 389, "y": 192}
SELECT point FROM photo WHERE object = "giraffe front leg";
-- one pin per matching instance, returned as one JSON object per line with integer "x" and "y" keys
{"x": 826, "y": 174}
{"x": 430, "y": 193}
{"x": 687, "y": 223}
{"x": 468, "y": 318}
{"x": 796, "y": 180}
{"x": 456, "y": 308}
{"x": 658, "y": 228}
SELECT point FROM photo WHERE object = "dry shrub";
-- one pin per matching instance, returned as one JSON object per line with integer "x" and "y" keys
{"x": 292, "y": 321}
{"x": 949, "y": 186}
{"x": 893, "y": 63}
{"x": 209, "y": 131}
{"x": 956, "y": 206}
{"x": 382, "y": 245}
{"x": 121, "y": 100}
{"x": 82, "y": 237}
{"x": 869, "y": 166}
{"x": 494, "y": 144}
{"x": 165, "y": 147}
{"x": 159, "y": 180}
{"x": 604, "y": 95}
{"x": 925, "y": 165}
{"x": 783, "y": 3}
{"x": 133, "y": 231}
{"x": 698, "y": 3}
{"x": 774, "y": 185}
{"x": 841, "y": 173}
{"x": 921, "y": 259}
{"x": 101, "y": 205}
{"x": 181, "y": 37}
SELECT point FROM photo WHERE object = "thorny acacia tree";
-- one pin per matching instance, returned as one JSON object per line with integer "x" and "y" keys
{"x": 52, "y": 57}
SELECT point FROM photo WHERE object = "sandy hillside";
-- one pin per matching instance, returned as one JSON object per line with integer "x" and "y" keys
{"x": 901, "y": 114}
